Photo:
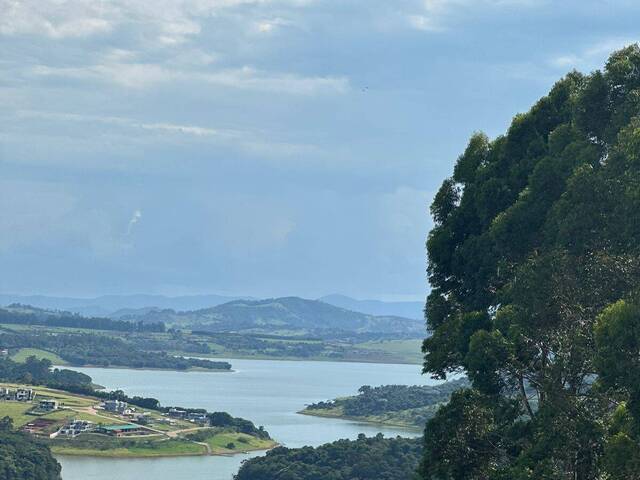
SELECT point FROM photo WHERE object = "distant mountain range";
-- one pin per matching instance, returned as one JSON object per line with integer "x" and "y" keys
{"x": 377, "y": 307}
{"x": 285, "y": 316}
{"x": 117, "y": 306}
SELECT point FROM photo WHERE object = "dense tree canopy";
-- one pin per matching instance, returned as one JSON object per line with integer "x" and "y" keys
{"x": 534, "y": 262}
{"x": 374, "y": 458}
{"x": 22, "y": 458}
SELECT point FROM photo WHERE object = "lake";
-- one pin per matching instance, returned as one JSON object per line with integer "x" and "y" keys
{"x": 269, "y": 393}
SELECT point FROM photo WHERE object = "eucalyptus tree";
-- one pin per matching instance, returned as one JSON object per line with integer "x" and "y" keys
{"x": 534, "y": 263}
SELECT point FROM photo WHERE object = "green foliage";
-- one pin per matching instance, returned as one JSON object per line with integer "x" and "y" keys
{"x": 375, "y": 458}
{"x": 39, "y": 372}
{"x": 535, "y": 264}
{"x": 392, "y": 398}
{"x": 22, "y": 458}
{"x": 101, "y": 350}
{"x": 33, "y": 316}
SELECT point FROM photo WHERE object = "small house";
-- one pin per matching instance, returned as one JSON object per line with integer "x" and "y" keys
{"x": 48, "y": 405}
{"x": 119, "y": 430}
{"x": 25, "y": 395}
{"x": 115, "y": 406}
{"x": 176, "y": 413}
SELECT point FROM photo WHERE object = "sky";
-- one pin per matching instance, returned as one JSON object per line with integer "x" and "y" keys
{"x": 258, "y": 147}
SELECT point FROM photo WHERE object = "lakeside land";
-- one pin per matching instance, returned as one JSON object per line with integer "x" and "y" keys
{"x": 192, "y": 340}
{"x": 393, "y": 405}
{"x": 82, "y": 425}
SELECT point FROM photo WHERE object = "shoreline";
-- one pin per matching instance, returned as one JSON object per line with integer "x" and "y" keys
{"x": 122, "y": 367}
{"x": 231, "y": 357}
{"x": 364, "y": 420}
{"x": 111, "y": 455}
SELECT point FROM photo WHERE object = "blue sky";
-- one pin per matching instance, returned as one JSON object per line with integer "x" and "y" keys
{"x": 258, "y": 147}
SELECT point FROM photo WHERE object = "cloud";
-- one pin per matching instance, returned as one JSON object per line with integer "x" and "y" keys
{"x": 54, "y": 19}
{"x": 173, "y": 21}
{"x": 135, "y": 218}
{"x": 591, "y": 57}
{"x": 435, "y": 15}
{"x": 253, "y": 142}
{"x": 142, "y": 75}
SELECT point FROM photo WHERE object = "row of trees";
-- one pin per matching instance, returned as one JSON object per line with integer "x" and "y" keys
{"x": 534, "y": 262}
{"x": 69, "y": 320}
{"x": 39, "y": 372}
{"x": 102, "y": 350}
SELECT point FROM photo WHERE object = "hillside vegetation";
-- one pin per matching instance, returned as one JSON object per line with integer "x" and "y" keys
{"x": 22, "y": 458}
{"x": 534, "y": 262}
{"x": 375, "y": 458}
{"x": 288, "y": 315}
{"x": 390, "y": 404}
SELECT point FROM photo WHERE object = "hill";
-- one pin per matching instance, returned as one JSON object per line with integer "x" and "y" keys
{"x": 401, "y": 405}
{"x": 287, "y": 315}
{"x": 372, "y": 458}
{"x": 106, "y": 305}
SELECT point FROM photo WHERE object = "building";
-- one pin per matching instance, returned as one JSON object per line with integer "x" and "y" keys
{"x": 197, "y": 417}
{"x": 4, "y": 393}
{"x": 76, "y": 427}
{"x": 25, "y": 395}
{"x": 48, "y": 405}
{"x": 119, "y": 430}
{"x": 4, "y": 352}
{"x": 115, "y": 406}
{"x": 176, "y": 413}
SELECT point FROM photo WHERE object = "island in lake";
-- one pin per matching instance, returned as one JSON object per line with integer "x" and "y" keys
{"x": 399, "y": 405}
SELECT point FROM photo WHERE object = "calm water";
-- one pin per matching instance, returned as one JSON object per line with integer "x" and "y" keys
{"x": 267, "y": 392}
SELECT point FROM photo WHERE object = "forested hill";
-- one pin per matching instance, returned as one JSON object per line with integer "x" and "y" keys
{"x": 534, "y": 263}
{"x": 23, "y": 458}
{"x": 288, "y": 314}
{"x": 390, "y": 404}
{"x": 375, "y": 458}
{"x": 18, "y": 314}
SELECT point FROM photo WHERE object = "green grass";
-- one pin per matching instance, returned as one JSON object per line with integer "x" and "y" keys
{"x": 139, "y": 448}
{"x": 402, "y": 350}
{"x": 242, "y": 442}
{"x": 17, "y": 412}
{"x": 24, "y": 353}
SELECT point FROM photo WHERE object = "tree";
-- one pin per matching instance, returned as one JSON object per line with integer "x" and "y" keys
{"x": 22, "y": 458}
{"x": 534, "y": 262}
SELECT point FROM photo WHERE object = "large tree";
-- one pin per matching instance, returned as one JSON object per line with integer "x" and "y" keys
{"x": 534, "y": 263}
{"x": 22, "y": 458}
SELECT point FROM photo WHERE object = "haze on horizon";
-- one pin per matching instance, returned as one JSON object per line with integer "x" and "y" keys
{"x": 258, "y": 148}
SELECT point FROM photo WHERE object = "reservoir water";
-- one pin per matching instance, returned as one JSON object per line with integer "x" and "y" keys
{"x": 269, "y": 393}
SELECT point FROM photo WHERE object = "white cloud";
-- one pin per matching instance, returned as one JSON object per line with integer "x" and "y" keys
{"x": 256, "y": 143}
{"x": 434, "y": 15}
{"x": 142, "y": 75}
{"x": 135, "y": 218}
{"x": 173, "y": 20}
{"x": 54, "y": 19}
{"x": 592, "y": 57}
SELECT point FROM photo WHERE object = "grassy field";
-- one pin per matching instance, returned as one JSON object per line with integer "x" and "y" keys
{"x": 221, "y": 443}
{"x": 24, "y": 353}
{"x": 407, "y": 351}
{"x": 123, "y": 448}
{"x": 18, "y": 410}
